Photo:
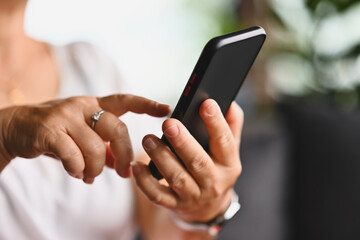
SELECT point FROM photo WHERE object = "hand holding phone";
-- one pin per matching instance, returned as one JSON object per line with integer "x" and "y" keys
{"x": 218, "y": 74}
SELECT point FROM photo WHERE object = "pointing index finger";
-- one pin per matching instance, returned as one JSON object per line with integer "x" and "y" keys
{"x": 119, "y": 104}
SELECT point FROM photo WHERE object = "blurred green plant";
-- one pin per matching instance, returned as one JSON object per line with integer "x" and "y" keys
{"x": 222, "y": 12}
{"x": 340, "y": 5}
{"x": 316, "y": 49}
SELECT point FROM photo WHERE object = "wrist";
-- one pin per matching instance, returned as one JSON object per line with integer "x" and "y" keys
{"x": 213, "y": 226}
{"x": 210, "y": 211}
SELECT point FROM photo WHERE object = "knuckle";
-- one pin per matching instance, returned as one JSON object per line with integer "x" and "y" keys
{"x": 196, "y": 197}
{"x": 225, "y": 139}
{"x": 72, "y": 154}
{"x": 80, "y": 102}
{"x": 198, "y": 164}
{"x": 68, "y": 160}
{"x": 98, "y": 149}
{"x": 120, "y": 129}
{"x": 156, "y": 198}
{"x": 122, "y": 98}
{"x": 46, "y": 139}
{"x": 73, "y": 101}
{"x": 178, "y": 180}
{"x": 216, "y": 190}
{"x": 77, "y": 100}
{"x": 62, "y": 111}
{"x": 95, "y": 160}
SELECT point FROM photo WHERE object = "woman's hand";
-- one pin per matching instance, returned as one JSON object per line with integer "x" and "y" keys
{"x": 202, "y": 192}
{"x": 62, "y": 129}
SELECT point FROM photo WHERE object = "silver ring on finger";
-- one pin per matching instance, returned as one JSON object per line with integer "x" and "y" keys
{"x": 95, "y": 118}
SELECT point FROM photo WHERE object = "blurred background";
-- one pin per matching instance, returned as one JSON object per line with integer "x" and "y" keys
{"x": 300, "y": 153}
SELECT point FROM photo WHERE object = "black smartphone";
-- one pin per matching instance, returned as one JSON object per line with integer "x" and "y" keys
{"x": 218, "y": 74}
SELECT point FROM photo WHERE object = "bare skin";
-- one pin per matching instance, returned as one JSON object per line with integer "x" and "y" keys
{"x": 61, "y": 129}
{"x": 197, "y": 195}
{"x": 27, "y": 130}
{"x": 26, "y": 62}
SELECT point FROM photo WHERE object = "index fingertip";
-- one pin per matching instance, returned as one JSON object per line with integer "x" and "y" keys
{"x": 163, "y": 109}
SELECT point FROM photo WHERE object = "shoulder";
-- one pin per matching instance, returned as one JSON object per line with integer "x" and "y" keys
{"x": 87, "y": 55}
{"x": 89, "y": 65}
{"x": 87, "y": 51}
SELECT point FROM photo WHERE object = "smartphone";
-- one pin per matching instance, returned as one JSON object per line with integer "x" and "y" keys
{"x": 218, "y": 74}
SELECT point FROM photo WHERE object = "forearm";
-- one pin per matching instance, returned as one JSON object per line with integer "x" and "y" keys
{"x": 4, "y": 161}
{"x": 5, "y": 156}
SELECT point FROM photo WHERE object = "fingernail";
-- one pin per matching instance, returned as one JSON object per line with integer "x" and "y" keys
{"x": 167, "y": 108}
{"x": 163, "y": 108}
{"x": 137, "y": 169}
{"x": 211, "y": 110}
{"x": 134, "y": 163}
{"x": 172, "y": 131}
{"x": 77, "y": 175}
{"x": 88, "y": 180}
{"x": 149, "y": 144}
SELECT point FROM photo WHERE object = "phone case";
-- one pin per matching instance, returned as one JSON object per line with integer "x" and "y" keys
{"x": 218, "y": 74}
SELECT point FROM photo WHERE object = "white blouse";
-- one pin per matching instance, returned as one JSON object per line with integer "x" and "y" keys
{"x": 39, "y": 200}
